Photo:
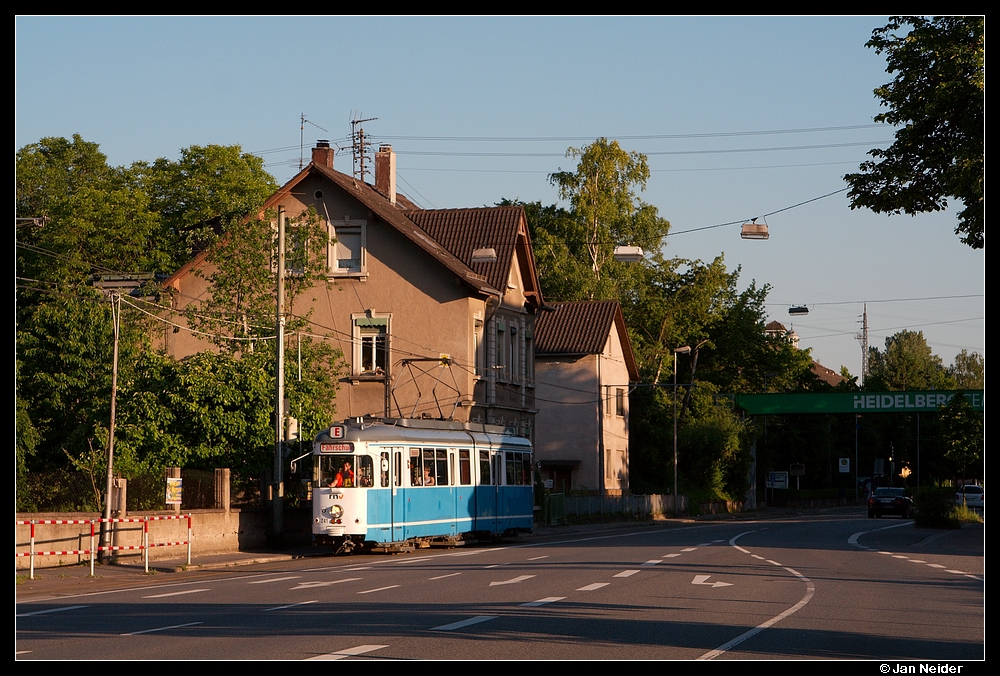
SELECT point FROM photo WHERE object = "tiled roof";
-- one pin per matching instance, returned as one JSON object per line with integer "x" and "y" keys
{"x": 580, "y": 327}
{"x": 828, "y": 376}
{"x": 462, "y": 231}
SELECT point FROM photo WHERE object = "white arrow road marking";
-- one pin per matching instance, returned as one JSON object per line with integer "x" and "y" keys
{"x": 50, "y": 610}
{"x": 595, "y": 585}
{"x": 513, "y": 580}
{"x": 703, "y": 579}
{"x": 542, "y": 602}
{"x": 465, "y": 623}
{"x": 349, "y": 652}
{"x": 310, "y": 585}
{"x": 186, "y": 591}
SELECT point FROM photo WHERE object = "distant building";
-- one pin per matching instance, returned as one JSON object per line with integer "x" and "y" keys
{"x": 828, "y": 376}
{"x": 584, "y": 365}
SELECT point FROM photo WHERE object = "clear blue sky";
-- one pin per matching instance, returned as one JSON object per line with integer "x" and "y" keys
{"x": 444, "y": 90}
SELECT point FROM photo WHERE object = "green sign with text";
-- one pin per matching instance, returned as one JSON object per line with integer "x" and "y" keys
{"x": 854, "y": 402}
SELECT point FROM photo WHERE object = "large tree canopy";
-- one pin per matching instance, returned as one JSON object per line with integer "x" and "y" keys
{"x": 937, "y": 99}
{"x": 83, "y": 216}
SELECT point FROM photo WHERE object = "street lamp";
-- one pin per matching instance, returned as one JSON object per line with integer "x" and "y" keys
{"x": 683, "y": 350}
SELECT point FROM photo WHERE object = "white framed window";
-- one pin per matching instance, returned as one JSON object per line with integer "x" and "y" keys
{"x": 371, "y": 345}
{"x": 478, "y": 346}
{"x": 346, "y": 255}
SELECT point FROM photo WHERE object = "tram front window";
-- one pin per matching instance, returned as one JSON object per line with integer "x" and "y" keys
{"x": 346, "y": 471}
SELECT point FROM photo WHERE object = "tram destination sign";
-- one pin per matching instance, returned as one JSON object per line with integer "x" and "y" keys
{"x": 929, "y": 401}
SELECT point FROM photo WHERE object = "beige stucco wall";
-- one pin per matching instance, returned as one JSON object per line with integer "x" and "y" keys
{"x": 430, "y": 313}
{"x": 578, "y": 419}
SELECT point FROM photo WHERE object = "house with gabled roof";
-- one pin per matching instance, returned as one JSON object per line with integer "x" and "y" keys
{"x": 584, "y": 365}
{"x": 434, "y": 310}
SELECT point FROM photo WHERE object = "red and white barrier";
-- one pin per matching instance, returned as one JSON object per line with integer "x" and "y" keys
{"x": 144, "y": 547}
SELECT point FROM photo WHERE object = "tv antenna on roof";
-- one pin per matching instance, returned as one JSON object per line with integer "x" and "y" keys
{"x": 302, "y": 133}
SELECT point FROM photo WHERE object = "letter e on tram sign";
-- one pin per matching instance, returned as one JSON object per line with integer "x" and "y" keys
{"x": 338, "y": 431}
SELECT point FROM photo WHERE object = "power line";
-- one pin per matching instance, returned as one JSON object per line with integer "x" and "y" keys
{"x": 642, "y": 137}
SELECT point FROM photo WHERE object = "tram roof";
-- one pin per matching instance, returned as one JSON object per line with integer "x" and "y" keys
{"x": 434, "y": 432}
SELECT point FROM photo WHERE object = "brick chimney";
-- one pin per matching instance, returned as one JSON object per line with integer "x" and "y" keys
{"x": 323, "y": 154}
{"x": 385, "y": 172}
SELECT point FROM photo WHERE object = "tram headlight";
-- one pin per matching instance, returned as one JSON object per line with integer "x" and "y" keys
{"x": 336, "y": 511}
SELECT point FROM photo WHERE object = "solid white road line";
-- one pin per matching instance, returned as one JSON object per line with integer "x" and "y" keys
{"x": 369, "y": 591}
{"x": 441, "y": 577}
{"x": 275, "y": 579}
{"x": 290, "y": 605}
{"x": 465, "y": 623}
{"x": 50, "y": 610}
{"x": 326, "y": 583}
{"x": 150, "y": 631}
{"x": 179, "y": 593}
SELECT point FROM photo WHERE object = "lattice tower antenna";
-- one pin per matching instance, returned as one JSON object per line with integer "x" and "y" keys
{"x": 863, "y": 339}
{"x": 359, "y": 146}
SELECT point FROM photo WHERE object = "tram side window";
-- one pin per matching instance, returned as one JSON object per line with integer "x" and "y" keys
{"x": 464, "y": 467}
{"x": 366, "y": 471}
{"x": 435, "y": 469}
{"x": 518, "y": 468}
{"x": 416, "y": 471}
{"x": 484, "y": 468}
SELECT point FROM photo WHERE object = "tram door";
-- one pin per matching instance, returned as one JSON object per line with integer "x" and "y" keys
{"x": 486, "y": 491}
{"x": 398, "y": 502}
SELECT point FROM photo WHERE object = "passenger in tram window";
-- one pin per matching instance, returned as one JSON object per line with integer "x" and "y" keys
{"x": 428, "y": 479}
{"x": 338, "y": 480}
{"x": 348, "y": 474}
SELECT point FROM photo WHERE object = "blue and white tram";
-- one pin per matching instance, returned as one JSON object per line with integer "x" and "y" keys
{"x": 379, "y": 482}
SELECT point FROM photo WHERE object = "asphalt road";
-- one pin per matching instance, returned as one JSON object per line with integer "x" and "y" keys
{"x": 830, "y": 586}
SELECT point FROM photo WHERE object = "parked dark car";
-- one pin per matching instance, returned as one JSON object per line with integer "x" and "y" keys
{"x": 890, "y": 501}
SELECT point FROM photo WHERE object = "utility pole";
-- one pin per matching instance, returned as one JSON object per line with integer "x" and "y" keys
{"x": 278, "y": 491}
{"x": 863, "y": 339}
{"x": 116, "y": 313}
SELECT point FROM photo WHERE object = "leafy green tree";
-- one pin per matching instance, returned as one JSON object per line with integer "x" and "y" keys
{"x": 93, "y": 218}
{"x": 239, "y": 270}
{"x": 201, "y": 193}
{"x": 87, "y": 217}
{"x": 907, "y": 363}
{"x": 937, "y": 99}
{"x": 969, "y": 371}
{"x": 963, "y": 434}
{"x": 666, "y": 303}
{"x": 605, "y": 211}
